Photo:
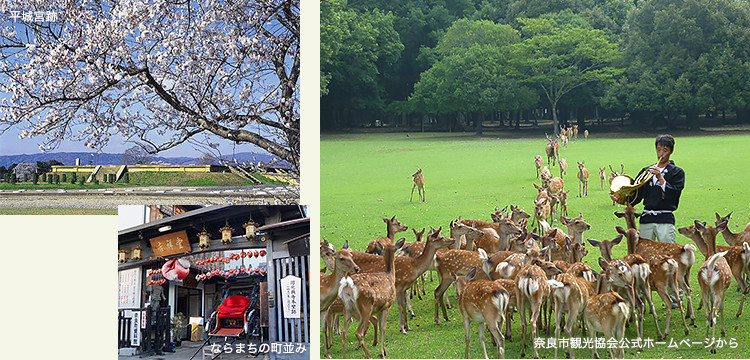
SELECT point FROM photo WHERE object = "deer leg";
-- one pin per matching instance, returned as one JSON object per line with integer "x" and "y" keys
{"x": 684, "y": 283}
{"x": 495, "y": 327}
{"x": 558, "y": 318}
{"x": 365, "y": 311}
{"x": 536, "y": 309}
{"x": 467, "y": 334}
{"x": 439, "y": 304}
{"x": 481, "y": 339}
{"x": 408, "y": 301}
{"x": 382, "y": 319}
{"x": 522, "y": 313}
{"x": 326, "y": 324}
{"x": 679, "y": 305}
{"x": 720, "y": 299}
{"x": 508, "y": 317}
{"x": 401, "y": 298}
{"x": 412, "y": 192}
{"x": 744, "y": 289}
{"x": 662, "y": 291}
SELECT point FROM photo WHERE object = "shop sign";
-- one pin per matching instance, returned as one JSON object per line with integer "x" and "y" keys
{"x": 290, "y": 296}
{"x": 135, "y": 329}
{"x": 264, "y": 304}
{"x": 170, "y": 244}
{"x": 129, "y": 288}
{"x": 143, "y": 319}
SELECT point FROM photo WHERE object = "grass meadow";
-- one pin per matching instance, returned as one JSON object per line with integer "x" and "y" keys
{"x": 366, "y": 176}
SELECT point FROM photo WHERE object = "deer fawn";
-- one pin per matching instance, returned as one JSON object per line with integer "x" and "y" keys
{"x": 393, "y": 227}
{"x": 485, "y": 302}
{"x": 570, "y": 294}
{"x": 607, "y": 313}
{"x": 714, "y": 277}
{"x": 731, "y": 238}
{"x": 418, "y": 179}
{"x": 602, "y": 176}
{"x": 583, "y": 179}
{"x": 370, "y": 294}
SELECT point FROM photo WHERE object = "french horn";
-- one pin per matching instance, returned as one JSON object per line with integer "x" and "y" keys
{"x": 625, "y": 187}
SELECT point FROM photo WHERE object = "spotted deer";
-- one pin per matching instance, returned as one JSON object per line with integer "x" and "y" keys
{"x": 393, "y": 226}
{"x": 714, "y": 277}
{"x": 733, "y": 239}
{"x": 532, "y": 288}
{"x": 369, "y": 294}
{"x": 485, "y": 302}
{"x": 418, "y": 180}
{"x": 607, "y": 313}
{"x": 583, "y": 179}
{"x": 503, "y": 228}
{"x": 683, "y": 254}
{"x": 570, "y": 295}
{"x": 666, "y": 271}
{"x": 602, "y": 176}
{"x": 641, "y": 272}
{"x": 329, "y": 286}
{"x": 550, "y": 149}
{"x": 538, "y": 163}
{"x": 563, "y": 167}
{"x": 457, "y": 262}
{"x": 737, "y": 257}
{"x": 545, "y": 175}
{"x": 326, "y": 254}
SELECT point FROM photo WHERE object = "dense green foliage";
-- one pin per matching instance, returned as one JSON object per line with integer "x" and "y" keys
{"x": 398, "y": 61}
{"x": 368, "y": 176}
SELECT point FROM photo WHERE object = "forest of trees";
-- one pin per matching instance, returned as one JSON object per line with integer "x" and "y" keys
{"x": 460, "y": 63}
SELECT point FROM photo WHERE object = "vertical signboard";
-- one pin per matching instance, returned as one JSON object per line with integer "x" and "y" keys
{"x": 129, "y": 291}
{"x": 290, "y": 296}
{"x": 135, "y": 329}
{"x": 264, "y": 304}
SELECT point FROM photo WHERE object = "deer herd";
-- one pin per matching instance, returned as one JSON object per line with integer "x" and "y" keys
{"x": 507, "y": 266}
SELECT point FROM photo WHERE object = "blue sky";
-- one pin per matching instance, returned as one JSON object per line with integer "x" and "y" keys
{"x": 10, "y": 144}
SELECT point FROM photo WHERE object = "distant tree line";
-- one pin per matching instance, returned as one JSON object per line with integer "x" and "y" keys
{"x": 459, "y": 63}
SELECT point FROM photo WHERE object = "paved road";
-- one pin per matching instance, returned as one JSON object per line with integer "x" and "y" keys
{"x": 110, "y": 198}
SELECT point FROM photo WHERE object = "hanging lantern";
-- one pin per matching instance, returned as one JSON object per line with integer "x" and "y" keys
{"x": 122, "y": 256}
{"x": 250, "y": 228}
{"x": 203, "y": 239}
{"x": 263, "y": 271}
{"x": 137, "y": 252}
{"x": 226, "y": 234}
{"x": 262, "y": 253}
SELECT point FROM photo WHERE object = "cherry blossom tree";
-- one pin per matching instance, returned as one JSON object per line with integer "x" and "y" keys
{"x": 158, "y": 72}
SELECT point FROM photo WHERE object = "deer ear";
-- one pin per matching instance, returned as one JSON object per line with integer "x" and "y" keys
{"x": 497, "y": 208}
{"x": 617, "y": 239}
{"x": 564, "y": 220}
{"x": 400, "y": 243}
{"x": 700, "y": 226}
{"x": 553, "y": 233}
{"x": 346, "y": 244}
{"x": 717, "y": 216}
{"x": 385, "y": 219}
{"x": 620, "y": 229}
{"x": 593, "y": 242}
{"x": 637, "y": 214}
{"x": 721, "y": 227}
{"x": 472, "y": 273}
{"x": 543, "y": 250}
{"x": 619, "y": 214}
{"x": 603, "y": 263}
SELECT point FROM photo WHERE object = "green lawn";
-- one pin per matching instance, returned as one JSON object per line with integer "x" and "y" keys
{"x": 367, "y": 176}
{"x": 152, "y": 179}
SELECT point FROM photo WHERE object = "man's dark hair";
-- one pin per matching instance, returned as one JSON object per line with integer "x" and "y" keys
{"x": 665, "y": 140}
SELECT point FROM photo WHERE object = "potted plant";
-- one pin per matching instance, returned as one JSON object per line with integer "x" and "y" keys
{"x": 178, "y": 326}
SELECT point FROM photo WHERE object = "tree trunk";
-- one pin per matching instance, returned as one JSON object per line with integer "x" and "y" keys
{"x": 554, "y": 119}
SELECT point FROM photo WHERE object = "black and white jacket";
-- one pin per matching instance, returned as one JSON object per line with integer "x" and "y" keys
{"x": 661, "y": 200}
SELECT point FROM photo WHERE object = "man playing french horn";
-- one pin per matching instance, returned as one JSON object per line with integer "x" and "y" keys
{"x": 660, "y": 195}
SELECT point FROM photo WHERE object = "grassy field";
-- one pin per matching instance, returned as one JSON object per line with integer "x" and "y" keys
{"x": 152, "y": 179}
{"x": 364, "y": 177}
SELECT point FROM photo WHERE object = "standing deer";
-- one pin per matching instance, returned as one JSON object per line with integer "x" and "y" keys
{"x": 482, "y": 301}
{"x": 418, "y": 179}
{"x": 733, "y": 239}
{"x": 563, "y": 167}
{"x": 370, "y": 294}
{"x": 393, "y": 227}
{"x": 602, "y": 176}
{"x": 538, "y": 163}
{"x": 586, "y": 134}
{"x": 714, "y": 277}
{"x": 532, "y": 288}
{"x": 607, "y": 313}
{"x": 551, "y": 150}
{"x": 457, "y": 262}
{"x": 329, "y": 285}
{"x": 583, "y": 180}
